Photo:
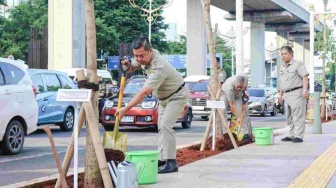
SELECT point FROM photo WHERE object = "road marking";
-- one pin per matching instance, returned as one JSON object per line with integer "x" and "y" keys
{"x": 4, "y": 160}
{"x": 319, "y": 173}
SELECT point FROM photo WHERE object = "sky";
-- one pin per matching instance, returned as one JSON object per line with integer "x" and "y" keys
{"x": 176, "y": 13}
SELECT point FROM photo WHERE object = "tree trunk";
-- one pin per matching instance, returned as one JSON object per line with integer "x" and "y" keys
{"x": 93, "y": 177}
{"x": 212, "y": 54}
{"x": 323, "y": 62}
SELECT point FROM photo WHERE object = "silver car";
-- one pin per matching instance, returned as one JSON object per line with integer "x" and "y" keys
{"x": 261, "y": 101}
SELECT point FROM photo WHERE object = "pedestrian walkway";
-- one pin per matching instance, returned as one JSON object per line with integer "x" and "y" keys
{"x": 308, "y": 164}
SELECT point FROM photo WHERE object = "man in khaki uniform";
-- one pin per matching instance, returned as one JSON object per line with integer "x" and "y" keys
{"x": 293, "y": 81}
{"x": 166, "y": 84}
{"x": 232, "y": 89}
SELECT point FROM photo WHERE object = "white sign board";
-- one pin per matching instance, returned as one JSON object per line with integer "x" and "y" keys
{"x": 74, "y": 95}
{"x": 215, "y": 104}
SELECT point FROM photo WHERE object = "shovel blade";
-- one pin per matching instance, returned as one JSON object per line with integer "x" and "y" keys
{"x": 118, "y": 141}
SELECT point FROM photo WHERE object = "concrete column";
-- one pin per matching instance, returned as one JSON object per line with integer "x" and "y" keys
{"x": 281, "y": 40}
{"x": 298, "y": 49}
{"x": 258, "y": 75}
{"x": 196, "y": 39}
{"x": 66, "y": 29}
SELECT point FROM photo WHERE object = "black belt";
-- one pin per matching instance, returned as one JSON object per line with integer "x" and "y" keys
{"x": 293, "y": 89}
{"x": 181, "y": 86}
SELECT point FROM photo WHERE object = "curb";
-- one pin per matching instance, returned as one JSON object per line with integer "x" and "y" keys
{"x": 80, "y": 170}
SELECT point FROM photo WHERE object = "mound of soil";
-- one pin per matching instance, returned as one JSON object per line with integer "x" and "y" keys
{"x": 184, "y": 156}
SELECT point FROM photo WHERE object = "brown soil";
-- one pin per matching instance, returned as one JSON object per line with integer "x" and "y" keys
{"x": 184, "y": 156}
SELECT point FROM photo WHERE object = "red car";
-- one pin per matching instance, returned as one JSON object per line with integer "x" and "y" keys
{"x": 145, "y": 114}
{"x": 198, "y": 97}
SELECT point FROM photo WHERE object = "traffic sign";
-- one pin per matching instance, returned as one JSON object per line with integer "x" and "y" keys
{"x": 113, "y": 63}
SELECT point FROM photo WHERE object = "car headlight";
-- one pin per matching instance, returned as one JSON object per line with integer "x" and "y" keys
{"x": 148, "y": 104}
{"x": 108, "y": 104}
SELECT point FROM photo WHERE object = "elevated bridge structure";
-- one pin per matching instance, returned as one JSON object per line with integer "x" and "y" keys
{"x": 288, "y": 18}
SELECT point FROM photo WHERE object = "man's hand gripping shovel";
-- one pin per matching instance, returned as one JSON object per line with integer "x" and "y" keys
{"x": 117, "y": 140}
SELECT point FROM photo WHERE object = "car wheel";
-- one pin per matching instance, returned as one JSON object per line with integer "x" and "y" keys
{"x": 205, "y": 117}
{"x": 69, "y": 120}
{"x": 264, "y": 112}
{"x": 108, "y": 127}
{"x": 13, "y": 140}
{"x": 274, "y": 112}
{"x": 187, "y": 122}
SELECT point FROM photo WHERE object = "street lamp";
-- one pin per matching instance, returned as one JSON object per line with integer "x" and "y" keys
{"x": 148, "y": 10}
{"x": 231, "y": 35}
{"x": 271, "y": 52}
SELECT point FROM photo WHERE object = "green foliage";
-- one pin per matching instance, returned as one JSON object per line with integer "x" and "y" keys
{"x": 223, "y": 47}
{"x": 117, "y": 21}
{"x": 3, "y": 2}
{"x": 15, "y": 34}
{"x": 318, "y": 45}
{"x": 178, "y": 47}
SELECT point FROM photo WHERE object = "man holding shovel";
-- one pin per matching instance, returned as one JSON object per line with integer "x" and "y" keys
{"x": 166, "y": 84}
{"x": 233, "y": 96}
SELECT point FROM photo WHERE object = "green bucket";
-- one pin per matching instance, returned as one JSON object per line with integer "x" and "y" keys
{"x": 263, "y": 136}
{"x": 149, "y": 160}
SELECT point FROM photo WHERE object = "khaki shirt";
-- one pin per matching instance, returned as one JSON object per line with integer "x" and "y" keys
{"x": 229, "y": 89}
{"x": 221, "y": 75}
{"x": 163, "y": 78}
{"x": 291, "y": 75}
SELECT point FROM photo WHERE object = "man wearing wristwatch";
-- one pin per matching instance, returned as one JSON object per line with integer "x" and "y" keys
{"x": 294, "y": 90}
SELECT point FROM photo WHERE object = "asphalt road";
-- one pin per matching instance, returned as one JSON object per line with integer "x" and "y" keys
{"x": 36, "y": 159}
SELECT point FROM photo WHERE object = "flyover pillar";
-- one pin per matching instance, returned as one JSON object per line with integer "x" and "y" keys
{"x": 196, "y": 39}
{"x": 257, "y": 70}
{"x": 66, "y": 34}
{"x": 281, "y": 40}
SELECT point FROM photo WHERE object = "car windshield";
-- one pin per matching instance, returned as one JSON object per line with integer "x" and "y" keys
{"x": 191, "y": 84}
{"x": 201, "y": 86}
{"x": 133, "y": 88}
{"x": 256, "y": 92}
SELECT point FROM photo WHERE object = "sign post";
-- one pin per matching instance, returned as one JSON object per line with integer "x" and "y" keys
{"x": 75, "y": 95}
{"x": 213, "y": 105}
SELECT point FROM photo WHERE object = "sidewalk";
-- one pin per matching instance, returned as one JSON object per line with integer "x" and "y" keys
{"x": 277, "y": 165}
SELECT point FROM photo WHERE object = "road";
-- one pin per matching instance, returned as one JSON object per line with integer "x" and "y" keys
{"x": 36, "y": 159}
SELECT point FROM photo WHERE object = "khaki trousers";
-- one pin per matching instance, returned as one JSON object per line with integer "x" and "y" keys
{"x": 295, "y": 115}
{"x": 169, "y": 112}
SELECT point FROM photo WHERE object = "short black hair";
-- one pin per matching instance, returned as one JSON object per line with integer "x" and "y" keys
{"x": 141, "y": 41}
{"x": 217, "y": 59}
{"x": 288, "y": 48}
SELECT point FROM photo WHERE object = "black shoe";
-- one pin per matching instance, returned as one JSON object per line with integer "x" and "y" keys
{"x": 297, "y": 140}
{"x": 161, "y": 163}
{"x": 287, "y": 139}
{"x": 247, "y": 138}
{"x": 170, "y": 166}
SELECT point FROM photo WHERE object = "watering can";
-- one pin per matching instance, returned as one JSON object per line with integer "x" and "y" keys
{"x": 125, "y": 176}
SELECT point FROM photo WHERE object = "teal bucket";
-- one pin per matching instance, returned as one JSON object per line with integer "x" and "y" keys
{"x": 149, "y": 160}
{"x": 263, "y": 136}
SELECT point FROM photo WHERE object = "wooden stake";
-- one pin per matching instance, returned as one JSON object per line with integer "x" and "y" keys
{"x": 70, "y": 151}
{"x": 94, "y": 131}
{"x": 58, "y": 163}
{"x": 208, "y": 128}
{"x": 224, "y": 121}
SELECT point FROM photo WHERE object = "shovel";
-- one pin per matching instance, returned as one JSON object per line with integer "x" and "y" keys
{"x": 236, "y": 128}
{"x": 115, "y": 139}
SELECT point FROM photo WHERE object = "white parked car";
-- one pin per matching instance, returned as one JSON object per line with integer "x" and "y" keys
{"x": 18, "y": 107}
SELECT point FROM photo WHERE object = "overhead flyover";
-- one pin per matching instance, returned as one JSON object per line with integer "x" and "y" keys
{"x": 288, "y": 18}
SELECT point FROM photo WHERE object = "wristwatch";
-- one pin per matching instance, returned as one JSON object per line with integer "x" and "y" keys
{"x": 305, "y": 90}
